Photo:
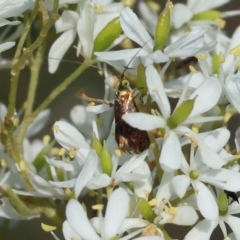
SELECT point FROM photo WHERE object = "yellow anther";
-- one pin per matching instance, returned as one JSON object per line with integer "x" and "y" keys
{"x": 98, "y": 207}
{"x": 48, "y": 228}
{"x": 153, "y": 6}
{"x": 192, "y": 69}
{"x": 195, "y": 129}
{"x": 227, "y": 116}
{"x": 128, "y": 3}
{"x": 153, "y": 202}
{"x": 235, "y": 51}
{"x": 3, "y": 163}
{"x": 201, "y": 56}
{"x": 46, "y": 139}
{"x": 98, "y": 9}
{"x": 72, "y": 152}
{"x": 54, "y": 150}
{"x": 221, "y": 22}
{"x": 91, "y": 104}
{"x": 61, "y": 151}
{"x": 238, "y": 66}
{"x": 171, "y": 210}
{"x": 118, "y": 152}
{"x": 56, "y": 128}
{"x": 221, "y": 58}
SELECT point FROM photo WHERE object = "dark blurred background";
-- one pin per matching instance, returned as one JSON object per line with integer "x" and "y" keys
{"x": 92, "y": 84}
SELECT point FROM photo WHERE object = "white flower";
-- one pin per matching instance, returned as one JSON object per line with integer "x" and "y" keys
{"x": 171, "y": 154}
{"x": 72, "y": 140}
{"x": 196, "y": 172}
{"x": 126, "y": 173}
{"x": 86, "y": 22}
{"x": 179, "y": 215}
{"x": 182, "y": 14}
{"x": 204, "y": 229}
{"x": 12, "y": 8}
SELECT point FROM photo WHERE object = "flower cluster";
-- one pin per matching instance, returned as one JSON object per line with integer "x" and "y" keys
{"x": 155, "y": 151}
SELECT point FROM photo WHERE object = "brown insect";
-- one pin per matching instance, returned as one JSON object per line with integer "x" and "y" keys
{"x": 128, "y": 138}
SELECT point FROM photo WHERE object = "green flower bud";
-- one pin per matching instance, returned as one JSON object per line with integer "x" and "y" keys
{"x": 106, "y": 161}
{"x": 180, "y": 114}
{"x": 115, "y": 238}
{"x": 162, "y": 28}
{"x": 215, "y": 63}
{"x": 194, "y": 175}
{"x": 222, "y": 204}
{"x": 207, "y": 15}
{"x": 96, "y": 144}
{"x": 26, "y": 206}
{"x": 141, "y": 80}
{"x": 107, "y": 36}
{"x": 146, "y": 210}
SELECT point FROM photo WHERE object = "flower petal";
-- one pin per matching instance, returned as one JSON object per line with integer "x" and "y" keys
{"x": 210, "y": 89}
{"x": 116, "y": 212}
{"x": 180, "y": 184}
{"x": 87, "y": 172}
{"x": 157, "y": 92}
{"x": 134, "y": 29}
{"x": 205, "y": 201}
{"x": 202, "y": 231}
{"x": 68, "y": 136}
{"x": 59, "y": 48}
{"x": 223, "y": 178}
{"x": 78, "y": 220}
{"x": 144, "y": 121}
{"x": 171, "y": 155}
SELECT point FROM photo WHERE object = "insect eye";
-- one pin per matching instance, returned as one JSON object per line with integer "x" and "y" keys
{"x": 125, "y": 83}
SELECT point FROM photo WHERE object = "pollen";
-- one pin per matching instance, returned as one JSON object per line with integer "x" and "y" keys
{"x": 201, "y": 56}
{"x": 61, "y": 151}
{"x": 221, "y": 22}
{"x": 54, "y": 150}
{"x": 192, "y": 69}
{"x": 48, "y": 228}
{"x": 235, "y": 51}
{"x": 153, "y": 202}
{"x": 221, "y": 58}
{"x": 195, "y": 129}
{"x": 98, "y": 207}
{"x": 118, "y": 152}
{"x": 154, "y": 6}
{"x": 72, "y": 152}
{"x": 3, "y": 163}
{"x": 46, "y": 139}
{"x": 98, "y": 9}
{"x": 56, "y": 128}
{"x": 171, "y": 210}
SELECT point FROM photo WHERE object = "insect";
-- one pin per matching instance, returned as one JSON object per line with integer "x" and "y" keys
{"x": 128, "y": 138}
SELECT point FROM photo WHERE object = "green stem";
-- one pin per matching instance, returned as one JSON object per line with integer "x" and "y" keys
{"x": 19, "y": 159}
{"x": 179, "y": 200}
{"x": 61, "y": 88}
{"x": 35, "y": 70}
{"x": 19, "y": 62}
